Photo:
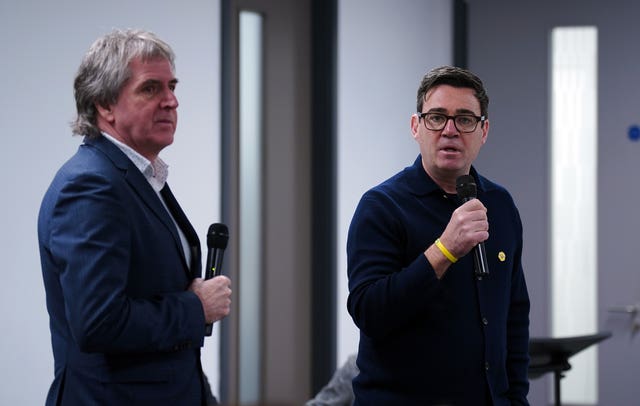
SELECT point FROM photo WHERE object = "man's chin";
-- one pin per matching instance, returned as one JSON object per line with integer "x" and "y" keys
{"x": 162, "y": 139}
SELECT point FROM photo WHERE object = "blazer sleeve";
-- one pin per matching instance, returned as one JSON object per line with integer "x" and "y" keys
{"x": 388, "y": 289}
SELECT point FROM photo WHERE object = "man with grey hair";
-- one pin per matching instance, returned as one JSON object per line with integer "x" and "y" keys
{"x": 120, "y": 261}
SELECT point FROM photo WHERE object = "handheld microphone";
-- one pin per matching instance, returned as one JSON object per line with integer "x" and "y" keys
{"x": 217, "y": 239}
{"x": 467, "y": 190}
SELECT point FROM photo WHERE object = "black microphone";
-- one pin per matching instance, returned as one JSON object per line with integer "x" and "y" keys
{"x": 217, "y": 239}
{"x": 467, "y": 190}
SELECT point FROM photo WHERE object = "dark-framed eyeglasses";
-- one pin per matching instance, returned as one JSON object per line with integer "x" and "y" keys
{"x": 465, "y": 123}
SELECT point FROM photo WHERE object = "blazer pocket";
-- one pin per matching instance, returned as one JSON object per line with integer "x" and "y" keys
{"x": 140, "y": 375}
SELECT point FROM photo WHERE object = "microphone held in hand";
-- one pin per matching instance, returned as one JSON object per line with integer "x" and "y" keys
{"x": 217, "y": 239}
{"x": 467, "y": 190}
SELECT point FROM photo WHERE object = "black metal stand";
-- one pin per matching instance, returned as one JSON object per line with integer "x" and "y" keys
{"x": 552, "y": 355}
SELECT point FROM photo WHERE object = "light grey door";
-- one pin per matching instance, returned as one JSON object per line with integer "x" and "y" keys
{"x": 509, "y": 48}
{"x": 619, "y": 196}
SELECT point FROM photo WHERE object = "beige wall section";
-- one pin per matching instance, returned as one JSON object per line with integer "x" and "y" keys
{"x": 286, "y": 296}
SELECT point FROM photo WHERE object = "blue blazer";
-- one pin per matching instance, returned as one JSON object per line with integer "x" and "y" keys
{"x": 124, "y": 328}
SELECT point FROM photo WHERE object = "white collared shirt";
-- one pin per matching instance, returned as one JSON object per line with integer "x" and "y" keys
{"x": 155, "y": 172}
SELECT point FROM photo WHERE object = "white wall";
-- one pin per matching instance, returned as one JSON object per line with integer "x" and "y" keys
{"x": 41, "y": 44}
{"x": 384, "y": 49}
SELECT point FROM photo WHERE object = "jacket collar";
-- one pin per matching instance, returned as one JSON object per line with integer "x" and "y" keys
{"x": 139, "y": 184}
{"x": 421, "y": 184}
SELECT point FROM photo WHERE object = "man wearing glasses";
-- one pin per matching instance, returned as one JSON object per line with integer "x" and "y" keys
{"x": 432, "y": 330}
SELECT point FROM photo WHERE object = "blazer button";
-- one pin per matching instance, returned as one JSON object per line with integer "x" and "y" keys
{"x": 486, "y": 366}
{"x": 485, "y": 321}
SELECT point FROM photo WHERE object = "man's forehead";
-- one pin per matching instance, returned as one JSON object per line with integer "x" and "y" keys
{"x": 152, "y": 68}
{"x": 465, "y": 96}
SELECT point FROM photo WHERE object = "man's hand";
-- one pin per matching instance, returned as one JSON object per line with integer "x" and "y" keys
{"x": 467, "y": 227}
{"x": 215, "y": 295}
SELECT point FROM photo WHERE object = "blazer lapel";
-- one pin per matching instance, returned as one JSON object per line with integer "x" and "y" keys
{"x": 140, "y": 185}
{"x": 186, "y": 227}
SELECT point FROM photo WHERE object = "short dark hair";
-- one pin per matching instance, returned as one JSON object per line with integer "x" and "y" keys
{"x": 456, "y": 77}
{"x": 105, "y": 69}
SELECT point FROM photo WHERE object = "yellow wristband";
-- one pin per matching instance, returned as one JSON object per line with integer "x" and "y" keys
{"x": 446, "y": 252}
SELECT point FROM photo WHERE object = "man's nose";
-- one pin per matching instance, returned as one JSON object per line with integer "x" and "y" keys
{"x": 169, "y": 100}
{"x": 450, "y": 127}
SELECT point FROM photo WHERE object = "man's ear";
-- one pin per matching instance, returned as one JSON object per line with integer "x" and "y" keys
{"x": 485, "y": 131}
{"x": 414, "y": 123}
{"x": 105, "y": 112}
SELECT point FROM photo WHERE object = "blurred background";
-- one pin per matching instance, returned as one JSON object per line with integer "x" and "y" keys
{"x": 289, "y": 111}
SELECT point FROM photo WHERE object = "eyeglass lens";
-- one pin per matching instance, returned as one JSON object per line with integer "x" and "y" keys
{"x": 437, "y": 121}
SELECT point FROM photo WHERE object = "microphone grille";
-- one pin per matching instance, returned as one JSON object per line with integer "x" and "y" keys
{"x": 218, "y": 236}
{"x": 466, "y": 187}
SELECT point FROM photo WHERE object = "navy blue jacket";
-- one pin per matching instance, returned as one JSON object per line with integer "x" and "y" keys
{"x": 124, "y": 328}
{"x": 459, "y": 340}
